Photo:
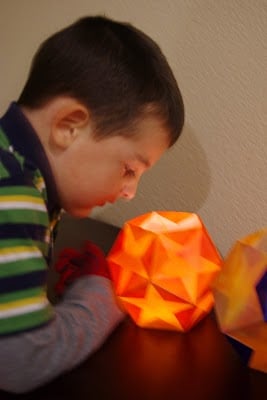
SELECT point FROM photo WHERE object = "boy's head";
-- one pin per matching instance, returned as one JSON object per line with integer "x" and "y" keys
{"x": 113, "y": 69}
{"x": 112, "y": 80}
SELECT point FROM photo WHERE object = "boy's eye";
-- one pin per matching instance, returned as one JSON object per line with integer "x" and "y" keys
{"x": 129, "y": 172}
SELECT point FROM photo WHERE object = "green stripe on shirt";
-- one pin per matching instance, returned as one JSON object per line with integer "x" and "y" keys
{"x": 23, "y": 216}
{"x": 21, "y": 190}
{"x": 4, "y": 173}
{"x": 25, "y": 321}
{"x": 4, "y": 142}
{"x": 21, "y": 294}
{"x": 20, "y": 267}
{"x": 4, "y": 243}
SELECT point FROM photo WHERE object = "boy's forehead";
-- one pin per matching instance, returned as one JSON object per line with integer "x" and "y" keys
{"x": 145, "y": 145}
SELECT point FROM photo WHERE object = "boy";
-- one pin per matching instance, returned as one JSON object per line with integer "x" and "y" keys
{"x": 100, "y": 107}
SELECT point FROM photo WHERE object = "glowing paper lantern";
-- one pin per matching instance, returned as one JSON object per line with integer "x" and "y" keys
{"x": 162, "y": 266}
{"x": 240, "y": 292}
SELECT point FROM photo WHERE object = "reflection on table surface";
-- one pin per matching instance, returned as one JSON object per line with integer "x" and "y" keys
{"x": 137, "y": 363}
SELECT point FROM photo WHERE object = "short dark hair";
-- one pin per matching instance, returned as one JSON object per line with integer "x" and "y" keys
{"x": 114, "y": 69}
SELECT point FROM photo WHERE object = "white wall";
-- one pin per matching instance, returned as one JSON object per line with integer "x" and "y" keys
{"x": 218, "y": 51}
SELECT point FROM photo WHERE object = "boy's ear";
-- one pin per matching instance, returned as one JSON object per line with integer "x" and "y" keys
{"x": 67, "y": 122}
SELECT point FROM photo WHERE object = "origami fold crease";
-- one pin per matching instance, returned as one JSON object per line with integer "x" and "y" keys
{"x": 240, "y": 292}
{"x": 162, "y": 266}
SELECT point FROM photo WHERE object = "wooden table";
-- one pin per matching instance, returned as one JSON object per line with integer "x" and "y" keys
{"x": 141, "y": 364}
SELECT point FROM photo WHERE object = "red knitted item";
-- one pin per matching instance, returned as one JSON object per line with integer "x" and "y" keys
{"x": 72, "y": 264}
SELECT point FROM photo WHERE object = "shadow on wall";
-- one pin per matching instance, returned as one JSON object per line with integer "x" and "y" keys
{"x": 180, "y": 181}
{"x": 185, "y": 177}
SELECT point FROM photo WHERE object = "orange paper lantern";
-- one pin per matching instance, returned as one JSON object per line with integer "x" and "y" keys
{"x": 162, "y": 266}
{"x": 240, "y": 292}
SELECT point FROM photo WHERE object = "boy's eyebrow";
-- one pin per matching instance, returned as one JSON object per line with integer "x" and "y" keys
{"x": 143, "y": 160}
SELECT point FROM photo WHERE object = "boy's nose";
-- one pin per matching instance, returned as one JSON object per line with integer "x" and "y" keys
{"x": 128, "y": 191}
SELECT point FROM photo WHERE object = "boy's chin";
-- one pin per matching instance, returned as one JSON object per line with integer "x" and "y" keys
{"x": 79, "y": 213}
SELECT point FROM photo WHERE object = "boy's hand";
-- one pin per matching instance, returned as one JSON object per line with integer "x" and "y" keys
{"x": 72, "y": 264}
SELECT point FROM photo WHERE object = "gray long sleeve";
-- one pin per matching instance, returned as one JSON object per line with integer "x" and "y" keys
{"x": 82, "y": 322}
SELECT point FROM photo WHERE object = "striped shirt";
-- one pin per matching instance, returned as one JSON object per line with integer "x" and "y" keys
{"x": 28, "y": 213}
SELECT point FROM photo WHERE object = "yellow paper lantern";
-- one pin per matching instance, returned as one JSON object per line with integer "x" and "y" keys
{"x": 240, "y": 292}
{"x": 162, "y": 266}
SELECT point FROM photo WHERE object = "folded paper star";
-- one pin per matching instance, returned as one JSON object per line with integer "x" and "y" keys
{"x": 162, "y": 266}
{"x": 240, "y": 292}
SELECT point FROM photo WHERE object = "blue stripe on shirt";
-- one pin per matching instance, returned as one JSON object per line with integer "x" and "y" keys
{"x": 21, "y": 282}
{"x": 23, "y": 231}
